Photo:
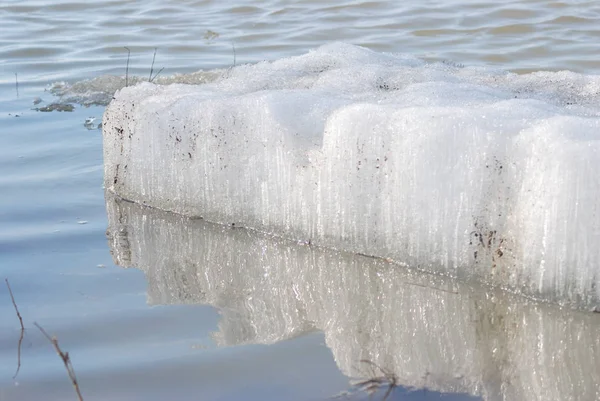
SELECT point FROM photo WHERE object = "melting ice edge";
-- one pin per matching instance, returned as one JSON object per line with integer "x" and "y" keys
{"x": 467, "y": 172}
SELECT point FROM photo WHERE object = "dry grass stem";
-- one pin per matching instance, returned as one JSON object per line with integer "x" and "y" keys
{"x": 152, "y": 66}
{"x": 159, "y": 71}
{"x": 17, "y": 83}
{"x": 127, "y": 67}
{"x": 233, "y": 48}
{"x": 12, "y": 297}
{"x": 65, "y": 358}
{"x": 19, "y": 353}
{"x": 151, "y": 77}
{"x": 384, "y": 378}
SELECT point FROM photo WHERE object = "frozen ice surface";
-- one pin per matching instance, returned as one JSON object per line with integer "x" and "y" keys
{"x": 100, "y": 90}
{"x": 468, "y": 172}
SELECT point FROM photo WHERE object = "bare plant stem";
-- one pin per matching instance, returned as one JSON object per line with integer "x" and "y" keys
{"x": 233, "y": 47}
{"x": 66, "y": 360}
{"x": 17, "y": 83}
{"x": 152, "y": 66}
{"x": 377, "y": 381}
{"x": 151, "y": 78}
{"x": 12, "y": 297}
{"x": 19, "y": 353}
{"x": 159, "y": 71}
{"x": 127, "y": 67}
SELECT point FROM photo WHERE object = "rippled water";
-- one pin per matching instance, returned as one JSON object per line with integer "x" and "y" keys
{"x": 70, "y": 40}
{"x": 54, "y": 250}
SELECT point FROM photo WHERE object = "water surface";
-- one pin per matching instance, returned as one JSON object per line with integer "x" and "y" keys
{"x": 191, "y": 331}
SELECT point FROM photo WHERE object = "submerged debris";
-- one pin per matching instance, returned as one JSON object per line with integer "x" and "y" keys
{"x": 90, "y": 123}
{"x": 209, "y": 35}
{"x": 378, "y": 378}
{"x": 56, "y": 107}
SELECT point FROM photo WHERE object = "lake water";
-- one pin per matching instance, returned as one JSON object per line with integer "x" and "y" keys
{"x": 223, "y": 314}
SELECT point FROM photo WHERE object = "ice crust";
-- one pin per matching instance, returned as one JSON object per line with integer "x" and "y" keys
{"x": 467, "y": 172}
{"x": 429, "y": 331}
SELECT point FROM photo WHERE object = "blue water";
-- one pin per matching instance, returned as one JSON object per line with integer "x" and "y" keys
{"x": 55, "y": 254}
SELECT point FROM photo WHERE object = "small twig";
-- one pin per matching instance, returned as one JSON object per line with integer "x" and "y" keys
{"x": 17, "y": 83}
{"x": 152, "y": 66}
{"x": 22, "y": 328}
{"x": 376, "y": 382}
{"x": 66, "y": 360}
{"x": 233, "y": 47}
{"x": 159, "y": 71}
{"x": 127, "y": 68}
{"x": 19, "y": 353}
{"x": 150, "y": 77}
{"x": 14, "y": 304}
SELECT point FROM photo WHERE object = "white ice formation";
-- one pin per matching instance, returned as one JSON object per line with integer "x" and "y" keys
{"x": 466, "y": 172}
{"x": 430, "y": 331}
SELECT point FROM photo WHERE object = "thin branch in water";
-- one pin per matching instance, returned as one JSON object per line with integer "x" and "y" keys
{"x": 66, "y": 360}
{"x": 17, "y": 83}
{"x": 386, "y": 379}
{"x": 12, "y": 297}
{"x": 127, "y": 67}
{"x": 19, "y": 353}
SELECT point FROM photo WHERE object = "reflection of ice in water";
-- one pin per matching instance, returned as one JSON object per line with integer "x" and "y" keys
{"x": 431, "y": 332}
{"x": 89, "y": 123}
